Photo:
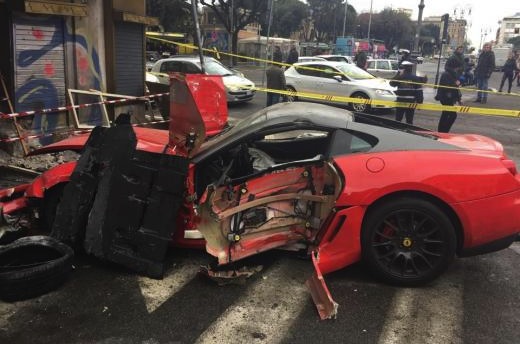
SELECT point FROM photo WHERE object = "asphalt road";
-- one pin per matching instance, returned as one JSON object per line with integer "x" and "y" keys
{"x": 476, "y": 301}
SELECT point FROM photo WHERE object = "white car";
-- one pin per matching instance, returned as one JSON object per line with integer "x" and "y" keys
{"x": 383, "y": 68}
{"x": 339, "y": 58}
{"x": 238, "y": 88}
{"x": 339, "y": 79}
{"x": 310, "y": 59}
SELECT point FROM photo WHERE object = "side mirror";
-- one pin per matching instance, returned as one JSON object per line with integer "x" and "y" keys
{"x": 338, "y": 78}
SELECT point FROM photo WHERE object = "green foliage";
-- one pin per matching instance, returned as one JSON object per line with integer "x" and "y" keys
{"x": 393, "y": 27}
{"x": 174, "y": 15}
{"x": 515, "y": 41}
{"x": 287, "y": 17}
{"x": 244, "y": 12}
{"x": 328, "y": 18}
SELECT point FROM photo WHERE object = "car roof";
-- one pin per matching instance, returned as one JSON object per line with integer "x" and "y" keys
{"x": 324, "y": 62}
{"x": 191, "y": 58}
{"x": 325, "y": 56}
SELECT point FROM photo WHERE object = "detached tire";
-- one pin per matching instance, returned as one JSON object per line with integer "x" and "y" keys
{"x": 33, "y": 266}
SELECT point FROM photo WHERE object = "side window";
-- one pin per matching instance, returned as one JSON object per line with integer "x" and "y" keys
{"x": 171, "y": 66}
{"x": 329, "y": 72}
{"x": 349, "y": 142}
{"x": 309, "y": 70}
{"x": 395, "y": 65}
{"x": 383, "y": 65}
{"x": 190, "y": 68}
{"x": 371, "y": 65}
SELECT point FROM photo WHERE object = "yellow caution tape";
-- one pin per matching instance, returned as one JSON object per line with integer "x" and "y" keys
{"x": 370, "y": 102}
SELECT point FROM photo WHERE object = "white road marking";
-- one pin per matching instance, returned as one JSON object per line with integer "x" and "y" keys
{"x": 156, "y": 292}
{"x": 279, "y": 299}
{"x": 426, "y": 315}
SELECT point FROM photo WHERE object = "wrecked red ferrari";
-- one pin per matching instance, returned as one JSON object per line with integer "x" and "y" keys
{"x": 342, "y": 186}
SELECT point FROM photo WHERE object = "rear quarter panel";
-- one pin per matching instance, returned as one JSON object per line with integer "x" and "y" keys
{"x": 481, "y": 191}
{"x": 453, "y": 176}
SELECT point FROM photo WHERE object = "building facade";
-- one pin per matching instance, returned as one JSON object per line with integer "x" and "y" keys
{"x": 53, "y": 46}
{"x": 509, "y": 28}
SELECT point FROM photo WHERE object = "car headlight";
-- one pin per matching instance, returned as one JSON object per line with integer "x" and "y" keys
{"x": 384, "y": 93}
{"x": 233, "y": 88}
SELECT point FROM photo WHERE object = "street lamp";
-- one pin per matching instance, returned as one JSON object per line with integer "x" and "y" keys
{"x": 345, "y": 19}
{"x": 369, "y": 21}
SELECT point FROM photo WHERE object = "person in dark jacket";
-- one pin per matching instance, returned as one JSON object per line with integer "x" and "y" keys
{"x": 485, "y": 66}
{"x": 456, "y": 61}
{"x": 409, "y": 90}
{"x": 448, "y": 95}
{"x": 509, "y": 73}
{"x": 293, "y": 55}
{"x": 361, "y": 60}
{"x": 277, "y": 54}
{"x": 275, "y": 81}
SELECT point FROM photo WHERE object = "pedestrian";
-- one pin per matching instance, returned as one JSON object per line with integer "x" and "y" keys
{"x": 409, "y": 90}
{"x": 509, "y": 72}
{"x": 485, "y": 66}
{"x": 275, "y": 81}
{"x": 456, "y": 61}
{"x": 361, "y": 59}
{"x": 277, "y": 54}
{"x": 405, "y": 57}
{"x": 448, "y": 95}
{"x": 293, "y": 55}
{"x": 517, "y": 76}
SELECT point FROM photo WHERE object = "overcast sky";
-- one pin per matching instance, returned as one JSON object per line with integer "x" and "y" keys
{"x": 484, "y": 14}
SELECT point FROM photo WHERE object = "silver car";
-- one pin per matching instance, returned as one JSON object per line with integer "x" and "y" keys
{"x": 238, "y": 88}
{"x": 338, "y": 79}
{"x": 381, "y": 68}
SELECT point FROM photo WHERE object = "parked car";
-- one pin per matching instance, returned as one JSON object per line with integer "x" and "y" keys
{"x": 310, "y": 58}
{"x": 382, "y": 68}
{"x": 339, "y": 58}
{"x": 151, "y": 58}
{"x": 338, "y": 79}
{"x": 239, "y": 89}
{"x": 293, "y": 176}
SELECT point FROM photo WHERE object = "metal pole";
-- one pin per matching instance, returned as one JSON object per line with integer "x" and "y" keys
{"x": 345, "y": 19}
{"x": 197, "y": 32}
{"x": 369, "y": 21}
{"x": 232, "y": 29}
{"x": 419, "y": 24}
{"x": 438, "y": 65}
{"x": 269, "y": 22}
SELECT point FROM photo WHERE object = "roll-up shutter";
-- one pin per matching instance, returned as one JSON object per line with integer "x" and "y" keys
{"x": 129, "y": 66}
{"x": 39, "y": 62}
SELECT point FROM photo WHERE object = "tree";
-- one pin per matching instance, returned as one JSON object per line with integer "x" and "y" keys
{"x": 287, "y": 17}
{"x": 328, "y": 18}
{"x": 515, "y": 41}
{"x": 235, "y": 15}
{"x": 174, "y": 15}
{"x": 429, "y": 38}
{"x": 393, "y": 27}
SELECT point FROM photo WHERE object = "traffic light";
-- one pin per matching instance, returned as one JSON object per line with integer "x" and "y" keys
{"x": 445, "y": 19}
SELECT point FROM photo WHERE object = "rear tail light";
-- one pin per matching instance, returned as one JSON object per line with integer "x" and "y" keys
{"x": 510, "y": 165}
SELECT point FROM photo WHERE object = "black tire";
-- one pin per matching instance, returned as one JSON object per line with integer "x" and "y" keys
{"x": 49, "y": 206}
{"x": 360, "y": 107}
{"x": 33, "y": 266}
{"x": 291, "y": 97}
{"x": 408, "y": 241}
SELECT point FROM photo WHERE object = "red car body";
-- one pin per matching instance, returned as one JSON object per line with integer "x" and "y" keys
{"x": 343, "y": 186}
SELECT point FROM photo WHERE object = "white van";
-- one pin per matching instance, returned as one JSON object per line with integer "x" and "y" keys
{"x": 501, "y": 53}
